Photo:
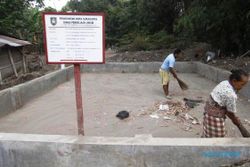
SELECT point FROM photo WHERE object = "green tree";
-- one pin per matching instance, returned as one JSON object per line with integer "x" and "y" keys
{"x": 13, "y": 16}
{"x": 225, "y": 24}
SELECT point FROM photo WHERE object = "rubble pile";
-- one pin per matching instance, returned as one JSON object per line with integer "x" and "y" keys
{"x": 175, "y": 111}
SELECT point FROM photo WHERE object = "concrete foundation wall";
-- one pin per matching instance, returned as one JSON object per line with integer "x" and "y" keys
{"x": 15, "y": 97}
{"x": 217, "y": 75}
{"x": 137, "y": 67}
{"x": 19, "y": 150}
{"x": 5, "y": 102}
{"x": 211, "y": 73}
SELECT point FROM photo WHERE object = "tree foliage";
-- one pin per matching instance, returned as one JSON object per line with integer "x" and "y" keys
{"x": 225, "y": 24}
{"x": 14, "y": 16}
{"x": 145, "y": 24}
{"x": 130, "y": 21}
{"x": 22, "y": 19}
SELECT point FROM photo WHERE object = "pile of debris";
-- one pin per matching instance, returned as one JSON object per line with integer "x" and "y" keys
{"x": 173, "y": 107}
{"x": 176, "y": 111}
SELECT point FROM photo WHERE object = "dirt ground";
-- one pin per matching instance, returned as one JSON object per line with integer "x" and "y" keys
{"x": 107, "y": 94}
{"x": 36, "y": 67}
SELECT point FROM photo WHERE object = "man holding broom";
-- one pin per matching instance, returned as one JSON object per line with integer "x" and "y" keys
{"x": 168, "y": 67}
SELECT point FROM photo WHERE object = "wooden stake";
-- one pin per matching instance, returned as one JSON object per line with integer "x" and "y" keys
{"x": 1, "y": 79}
{"x": 24, "y": 60}
{"x": 12, "y": 63}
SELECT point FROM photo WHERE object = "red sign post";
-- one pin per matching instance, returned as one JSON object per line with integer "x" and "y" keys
{"x": 74, "y": 38}
{"x": 79, "y": 107}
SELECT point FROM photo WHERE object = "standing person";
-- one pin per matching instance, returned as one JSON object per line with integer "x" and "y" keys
{"x": 166, "y": 68}
{"x": 222, "y": 103}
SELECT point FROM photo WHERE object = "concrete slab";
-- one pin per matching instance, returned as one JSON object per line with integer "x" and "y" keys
{"x": 56, "y": 150}
{"x": 207, "y": 71}
{"x": 16, "y": 98}
{"x": 5, "y": 102}
{"x": 105, "y": 94}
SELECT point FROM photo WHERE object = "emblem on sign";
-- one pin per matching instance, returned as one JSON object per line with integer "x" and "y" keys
{"x": 53, "y": 20}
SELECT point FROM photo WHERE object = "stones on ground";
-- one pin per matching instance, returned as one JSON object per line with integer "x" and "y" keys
{"x": 188, "y": 117}
{"x": 164, "y": 107}
{"x": 164, "y": 125}
{"x": 177, "y": 113}
{"x": 188, "y": 128}
{"x": 196, "y": 121}
{"x": 154, "y": 116}
{"x": 247, "y": 122}
{"x": 167, "y": 118}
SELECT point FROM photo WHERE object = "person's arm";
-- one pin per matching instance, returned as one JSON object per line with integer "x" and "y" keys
{"x": 231, "y": 109}
{"x": 244, "y": 132}
{"x": 171, "y": 68}
{"x": 233, "y": 118}
{"x": 173, "y": 72}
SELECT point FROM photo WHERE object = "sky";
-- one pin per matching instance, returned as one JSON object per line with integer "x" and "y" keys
{"x": 57, "y": 4}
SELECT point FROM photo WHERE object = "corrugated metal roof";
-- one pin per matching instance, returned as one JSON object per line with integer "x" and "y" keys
{"x": 5, "y": 40}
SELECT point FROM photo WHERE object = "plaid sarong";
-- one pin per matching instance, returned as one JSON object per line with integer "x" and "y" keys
{"x": 213, "y": 126}
{"x": 214, "y": 120}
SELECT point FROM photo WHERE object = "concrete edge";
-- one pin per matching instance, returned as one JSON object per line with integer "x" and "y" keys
{"x": 6, "y": 102}
{"x": 136, "y": 67}
{"x": 217, "y": 75}
{"x": 57, "y": 150}
{"x": 137, "y": 140}
{"x": 15, "y": 97}
{"x": 211, "y": 73}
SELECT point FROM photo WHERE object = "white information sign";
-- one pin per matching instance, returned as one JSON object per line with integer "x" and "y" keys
{"x": 74, "y": 38}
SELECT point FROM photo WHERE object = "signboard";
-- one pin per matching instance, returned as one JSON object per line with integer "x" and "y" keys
{"x": 74, "y": 38}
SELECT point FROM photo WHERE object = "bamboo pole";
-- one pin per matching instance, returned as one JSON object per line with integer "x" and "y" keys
{"x": 12, "y": 63}
{"x": 23, "y": 60}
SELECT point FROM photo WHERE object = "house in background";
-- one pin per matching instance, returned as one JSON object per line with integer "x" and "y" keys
{"x": 12, "y": 58}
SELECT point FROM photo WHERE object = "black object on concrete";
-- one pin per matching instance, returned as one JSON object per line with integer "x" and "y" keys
{"x": 192, "y": 103}
{"x": 122, "y": 115}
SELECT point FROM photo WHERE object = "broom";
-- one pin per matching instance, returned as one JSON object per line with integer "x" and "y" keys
{"x": 243, "y": 131}
{"x": 182, "y": 84}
